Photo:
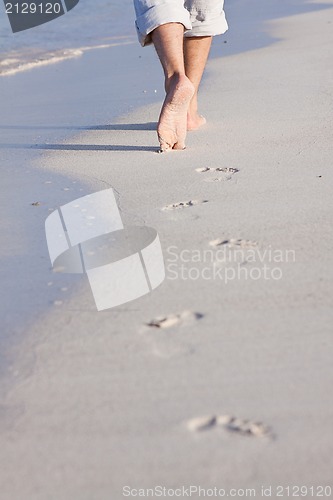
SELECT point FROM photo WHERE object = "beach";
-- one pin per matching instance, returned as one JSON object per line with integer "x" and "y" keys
{"x": 221, "y": 376}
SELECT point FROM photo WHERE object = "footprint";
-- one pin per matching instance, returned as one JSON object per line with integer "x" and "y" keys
{"x": 184, "y": 204}
{"x": 228, "y": 172}
{"x": 233, "y": 243}
{"x": 229, "y": 423}
{"x": 174, "y": 319}
{"x": 167, "y": 338}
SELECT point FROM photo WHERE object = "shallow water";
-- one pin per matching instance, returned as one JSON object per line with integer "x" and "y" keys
{"x": 96, "y": 23}
{"x": 84, "y": 27}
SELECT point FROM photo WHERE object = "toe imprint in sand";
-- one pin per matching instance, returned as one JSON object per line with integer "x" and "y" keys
{"x": 233, "y": 243}
{"x": 184, "y": 204}
{"x": 246, "y": 427}
{"x": 229, "y": 423}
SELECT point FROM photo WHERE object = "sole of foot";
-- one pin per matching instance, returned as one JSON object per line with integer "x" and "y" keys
{"x": 172, "y": 125}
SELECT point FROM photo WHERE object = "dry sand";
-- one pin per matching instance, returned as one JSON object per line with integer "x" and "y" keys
{"x": 93, "y": 401}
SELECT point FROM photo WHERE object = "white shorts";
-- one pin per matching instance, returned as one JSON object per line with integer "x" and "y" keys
{"x": 199, "y": 17}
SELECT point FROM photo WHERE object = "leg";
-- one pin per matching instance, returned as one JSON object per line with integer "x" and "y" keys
{"x": 171, "y": 130}
{"x": 196, "y": 51}
{"x": 207, "y": 19}
{"x": 163, "y": 23}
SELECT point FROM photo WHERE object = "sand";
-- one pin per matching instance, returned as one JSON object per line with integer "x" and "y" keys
{"x": 211, "y": 380}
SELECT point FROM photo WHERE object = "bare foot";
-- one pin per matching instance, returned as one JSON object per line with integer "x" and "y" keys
{"x": 195, "y": 121}
{"x": 172, "y": 125}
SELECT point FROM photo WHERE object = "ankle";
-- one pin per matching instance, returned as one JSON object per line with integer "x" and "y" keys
{"x": 173, "y": 79}
{"x": 192, "y": 112}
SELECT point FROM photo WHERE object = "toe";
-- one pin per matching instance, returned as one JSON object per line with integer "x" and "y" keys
{"x": 179, "y": 145}
{"x": 164, "y": 145}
